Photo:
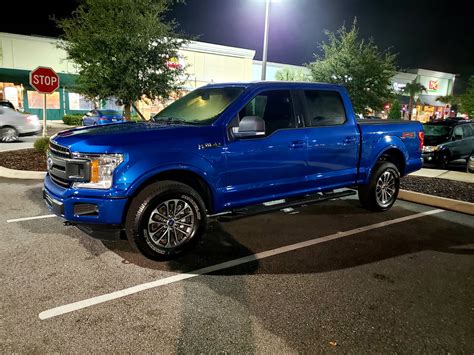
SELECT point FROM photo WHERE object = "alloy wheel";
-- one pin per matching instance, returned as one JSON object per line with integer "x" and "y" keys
{"x": 171, "y": 224}
{"x": 8, "y": 134}
{"x": 385, "y": 189}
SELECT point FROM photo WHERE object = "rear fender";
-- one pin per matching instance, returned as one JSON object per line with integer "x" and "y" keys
{"x": 371, "y": 155}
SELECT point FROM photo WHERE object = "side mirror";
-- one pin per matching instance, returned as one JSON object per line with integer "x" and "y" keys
{"x": 457, "y": 137}
{"x": 249, "y": 126}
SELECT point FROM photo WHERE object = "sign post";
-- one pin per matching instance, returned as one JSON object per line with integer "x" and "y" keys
{"x": 45, "y": 81}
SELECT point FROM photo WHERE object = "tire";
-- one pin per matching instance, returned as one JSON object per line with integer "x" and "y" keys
{"x": 8, "y": 134}
{"x": 382, "y": 190}
{"x": 443, "y": 160}
{"x": 469, "y": 170}
{"x": 151, "y": 224}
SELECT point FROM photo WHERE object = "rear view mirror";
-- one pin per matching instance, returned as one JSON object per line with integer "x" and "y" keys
{"x": 249, "y": 126}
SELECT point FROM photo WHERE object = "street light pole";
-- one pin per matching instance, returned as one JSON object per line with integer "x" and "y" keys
{"x": 265, "y": 39}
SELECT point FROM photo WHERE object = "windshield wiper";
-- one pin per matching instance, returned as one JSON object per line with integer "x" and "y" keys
{"x": 171, "y": 120}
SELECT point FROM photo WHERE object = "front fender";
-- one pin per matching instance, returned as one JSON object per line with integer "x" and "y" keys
{"x": 144, "y": 169}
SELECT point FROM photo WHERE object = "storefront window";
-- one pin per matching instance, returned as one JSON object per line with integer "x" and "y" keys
{"x": 35, "y": 100}
{"x": 79, "y": 102}
{"x": 12, "y": 93}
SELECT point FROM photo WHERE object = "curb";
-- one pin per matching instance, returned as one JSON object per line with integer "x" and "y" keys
{"x": 21, "y": 174}
{"x": 435, "y": 201}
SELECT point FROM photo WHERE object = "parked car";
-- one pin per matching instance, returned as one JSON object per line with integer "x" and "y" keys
{"x": 14, "y": 124}
{"x": 6, "y": 103}
{"x": 372, "y": 118}
{"x": 96, "y": 117}
{"x": 225, "y": 149}
{"x": 470, "y": 164}
{"x": 448, "y": 140}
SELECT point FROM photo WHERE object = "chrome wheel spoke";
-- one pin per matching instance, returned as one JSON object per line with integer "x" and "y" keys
{"x": 174, "y": 221}
{"x": 184, "y": 217}
{"x": 385, "y": 188}
{"x": 157, "y": 241}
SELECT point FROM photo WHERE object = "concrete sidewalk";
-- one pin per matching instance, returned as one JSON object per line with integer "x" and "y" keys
{"x": 445, "y": 174}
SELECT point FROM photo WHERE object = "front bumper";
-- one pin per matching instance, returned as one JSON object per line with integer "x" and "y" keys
{"x": 430, "y": 158}
{"x": 108, "y": 211}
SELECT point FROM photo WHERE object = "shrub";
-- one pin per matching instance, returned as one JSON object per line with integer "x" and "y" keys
{"x": 73, "y": 120}
{"x": 395, "y": 110}
{"x": 41, "y": 144}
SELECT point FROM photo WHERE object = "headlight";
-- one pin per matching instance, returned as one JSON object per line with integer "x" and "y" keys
{"x": 102, "y": 167}
{"x": 430, "y": 149}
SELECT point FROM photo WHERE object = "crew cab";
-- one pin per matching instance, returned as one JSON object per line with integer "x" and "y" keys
{"x": 225, "y": 150}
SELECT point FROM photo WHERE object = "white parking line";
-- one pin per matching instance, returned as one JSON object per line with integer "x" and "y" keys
{"x": 30, "y": 218}
{"x": 54, "y": 312}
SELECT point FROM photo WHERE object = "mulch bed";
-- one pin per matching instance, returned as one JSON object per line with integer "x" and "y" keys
{"x": 455, "y": 190}
{"x": 24, "y": 159}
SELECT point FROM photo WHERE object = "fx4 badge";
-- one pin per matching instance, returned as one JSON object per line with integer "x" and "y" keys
{"x": 208, "y": 145}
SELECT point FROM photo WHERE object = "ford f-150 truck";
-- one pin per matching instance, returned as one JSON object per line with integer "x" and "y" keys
{"x": 225, "y": 149}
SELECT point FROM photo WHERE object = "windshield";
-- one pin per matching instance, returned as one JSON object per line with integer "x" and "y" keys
{"x": 437, "y": 130}
{"x": 200, "y": 107}
{"x": 110, "y": 113}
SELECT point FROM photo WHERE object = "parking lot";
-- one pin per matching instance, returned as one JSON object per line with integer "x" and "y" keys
{"x": 324, "y": 277}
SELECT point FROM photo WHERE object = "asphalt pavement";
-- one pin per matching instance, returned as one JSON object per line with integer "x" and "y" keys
{"x": 351, "y": 281}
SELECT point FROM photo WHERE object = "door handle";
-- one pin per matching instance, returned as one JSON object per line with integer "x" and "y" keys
{"x": 350, "y": 140}
{"x": 297, "y": 144}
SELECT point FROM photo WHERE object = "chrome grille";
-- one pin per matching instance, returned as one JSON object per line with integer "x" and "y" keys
{"x": 59, "y": 150}
{"x": 57, "y": 164}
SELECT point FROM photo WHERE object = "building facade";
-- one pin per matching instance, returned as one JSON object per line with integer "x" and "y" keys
{"x": 426, "y": 103}
{"x": 204, "y": 63}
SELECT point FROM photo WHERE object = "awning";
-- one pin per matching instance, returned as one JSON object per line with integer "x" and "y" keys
{"x": 20, "y": 76}
{"x": 430, "y": 100}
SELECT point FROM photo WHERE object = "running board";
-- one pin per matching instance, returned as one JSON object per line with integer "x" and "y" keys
{"x": 277, "y": 205}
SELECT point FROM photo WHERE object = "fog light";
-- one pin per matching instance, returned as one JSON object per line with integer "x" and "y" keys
{"x": 86, "y": 209}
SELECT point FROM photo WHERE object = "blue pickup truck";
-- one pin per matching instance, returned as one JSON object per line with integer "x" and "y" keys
{"x": 230, "y": 149}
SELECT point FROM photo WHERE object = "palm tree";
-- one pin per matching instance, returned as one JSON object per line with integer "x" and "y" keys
{"x": 448, "y": 99}
{"x": 413, "y": 89}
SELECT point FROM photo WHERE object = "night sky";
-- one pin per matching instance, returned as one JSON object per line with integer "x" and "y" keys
{"x": 430, "y": 34}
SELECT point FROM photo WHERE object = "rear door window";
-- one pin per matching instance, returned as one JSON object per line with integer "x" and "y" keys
{"x": 467, "y": 131}
{"x": 324, "y": 108}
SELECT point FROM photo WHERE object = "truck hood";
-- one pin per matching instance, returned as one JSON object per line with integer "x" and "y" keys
{"x": 118, "y": 138}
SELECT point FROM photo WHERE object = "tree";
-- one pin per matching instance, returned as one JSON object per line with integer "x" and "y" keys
{"x": 448, "y": 99}
{"x": 358, "y": 65}
{"x": 413, "y": 89}
{"x": 395, "y": 110}
{"x": 288, "y": 74}
{"x": 122, "y": 49}
{"x": 467, "y": 99}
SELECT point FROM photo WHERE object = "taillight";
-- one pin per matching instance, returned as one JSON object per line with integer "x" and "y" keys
{"x": 421, "y": 137}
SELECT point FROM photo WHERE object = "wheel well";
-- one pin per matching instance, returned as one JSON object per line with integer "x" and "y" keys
{"x": 185, "y": 177}
{"x": 395, "y": 157}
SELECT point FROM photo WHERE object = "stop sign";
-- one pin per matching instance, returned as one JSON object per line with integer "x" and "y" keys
{"x": 44, "y": 80}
